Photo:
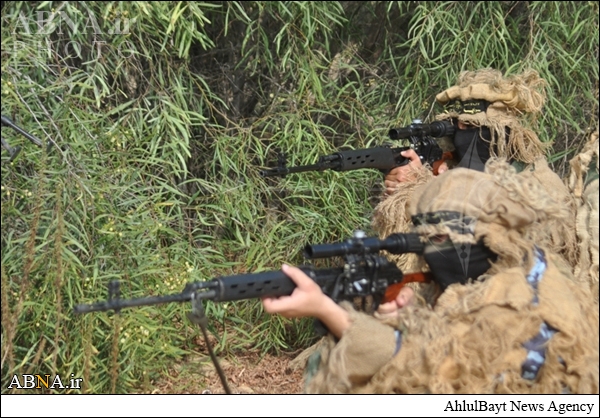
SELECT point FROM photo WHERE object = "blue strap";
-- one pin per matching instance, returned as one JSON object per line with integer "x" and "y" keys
{"x": 536, "y": 347}
{"x": 398, "y": 341}
{"x": 537, "y": 272}
{"x": 536, "y": 354}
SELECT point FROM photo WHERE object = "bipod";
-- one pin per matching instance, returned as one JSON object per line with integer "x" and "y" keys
{"x": 197, "y": 316}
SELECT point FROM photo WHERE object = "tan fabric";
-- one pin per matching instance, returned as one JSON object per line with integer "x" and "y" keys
{"x": 587, "y": 231}
{"x": 556, "y": 231}
{"x": 471, "y": 341}
{"x": 377, "y": 348}
{"x": 585, "y": 194}
{"x": 391, "y": 216}
{"x": 580, "y": 165}
{"x": 559, "y": 235}
{"x": 499, "y": 203}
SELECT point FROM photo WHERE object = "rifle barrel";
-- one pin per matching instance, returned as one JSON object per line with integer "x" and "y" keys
{"x": 118, "y": 304}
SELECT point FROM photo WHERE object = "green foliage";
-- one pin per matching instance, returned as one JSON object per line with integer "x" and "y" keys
{"x": 160, "y": 115}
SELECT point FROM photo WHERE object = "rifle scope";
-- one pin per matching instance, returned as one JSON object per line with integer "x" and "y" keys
{"x": 435, "y": 129}
{"x": 395, "y": 244}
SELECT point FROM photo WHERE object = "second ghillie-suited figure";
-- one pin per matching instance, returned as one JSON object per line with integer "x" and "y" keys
{"x": 493, "y": 115}
{"x": 510, "y": 319}
{"x": 583, "y": 183}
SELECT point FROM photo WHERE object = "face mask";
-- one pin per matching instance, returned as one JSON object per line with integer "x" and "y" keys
{"x": 472, "y": 147}
{"x": 456, "y": 263}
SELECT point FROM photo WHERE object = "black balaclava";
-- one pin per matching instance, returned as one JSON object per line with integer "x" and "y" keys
{"x": 472, "y": 147}
{"x": 456, "y": 263}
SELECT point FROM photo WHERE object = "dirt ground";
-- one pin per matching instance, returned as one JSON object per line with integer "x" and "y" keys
{"x": 246, "y": 373}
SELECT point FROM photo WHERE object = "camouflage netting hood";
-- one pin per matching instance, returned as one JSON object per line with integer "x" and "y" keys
{"x": 505, "y": 210}
{"x": 509, "y": 99}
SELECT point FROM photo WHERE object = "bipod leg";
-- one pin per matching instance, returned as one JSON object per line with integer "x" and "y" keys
{"x": 197, "y": 316}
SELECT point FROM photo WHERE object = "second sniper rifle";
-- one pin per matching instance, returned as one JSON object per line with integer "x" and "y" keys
{"x": 420, "y": 135}
{"x": 364, "y": 273}
{"x": 14, "y": 151}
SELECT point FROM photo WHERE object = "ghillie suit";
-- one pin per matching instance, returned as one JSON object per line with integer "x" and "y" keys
{"x": 583, "y": 183}
{"x": 524, "y": 326}
{"x": 501, "y": 104}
